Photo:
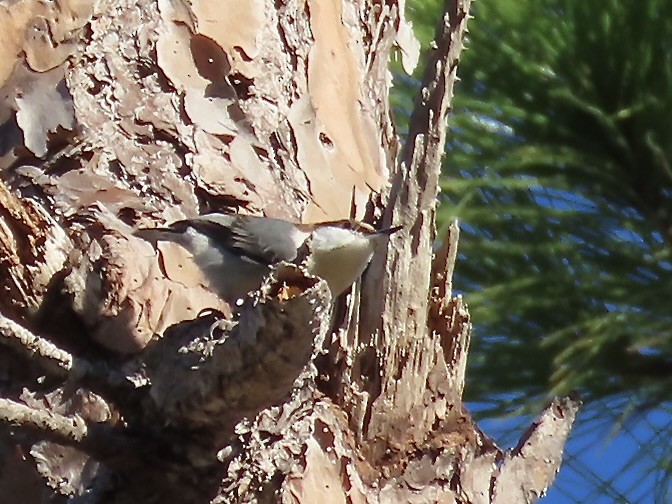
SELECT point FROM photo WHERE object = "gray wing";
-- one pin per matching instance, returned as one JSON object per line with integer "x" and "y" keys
{"x": 260, "y": 239}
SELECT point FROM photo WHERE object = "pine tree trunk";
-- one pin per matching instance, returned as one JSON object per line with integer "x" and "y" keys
{"x": 125, "y": 378}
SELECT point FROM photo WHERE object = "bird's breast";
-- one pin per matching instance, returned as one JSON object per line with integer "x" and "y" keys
{"x": 341, "y": 266}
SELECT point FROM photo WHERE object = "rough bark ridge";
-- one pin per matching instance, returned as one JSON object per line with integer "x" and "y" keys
{"x": 125, "y": 379}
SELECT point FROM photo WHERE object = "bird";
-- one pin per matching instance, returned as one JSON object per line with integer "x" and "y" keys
{"x": 235, "y": 252}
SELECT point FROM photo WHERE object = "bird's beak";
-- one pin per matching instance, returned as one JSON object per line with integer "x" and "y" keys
{"x": 390, "y": 230}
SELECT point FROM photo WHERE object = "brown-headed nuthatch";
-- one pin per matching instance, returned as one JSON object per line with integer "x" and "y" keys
{"x": 235, "y": 252}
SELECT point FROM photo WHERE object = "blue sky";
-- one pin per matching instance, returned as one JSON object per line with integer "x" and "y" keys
{"x": 604, "y": 466}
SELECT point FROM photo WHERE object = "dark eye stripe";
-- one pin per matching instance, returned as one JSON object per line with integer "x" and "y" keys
{"x": 350, "y": 224}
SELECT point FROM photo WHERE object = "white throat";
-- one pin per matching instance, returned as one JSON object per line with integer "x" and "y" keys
{"x": 340, "y": 256}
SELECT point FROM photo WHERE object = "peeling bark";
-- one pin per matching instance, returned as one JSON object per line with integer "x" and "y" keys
{"x": 126, "y": 379}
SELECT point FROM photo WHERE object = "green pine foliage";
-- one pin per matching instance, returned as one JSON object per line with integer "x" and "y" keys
{"x": 559, "y": 170}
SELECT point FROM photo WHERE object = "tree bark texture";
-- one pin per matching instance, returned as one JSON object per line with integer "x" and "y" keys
{"x": 125, "y": 379}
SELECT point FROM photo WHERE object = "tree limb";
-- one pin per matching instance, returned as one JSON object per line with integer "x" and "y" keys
{"x": 41, "y": 351}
